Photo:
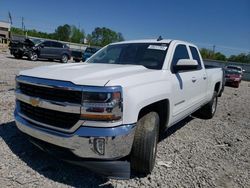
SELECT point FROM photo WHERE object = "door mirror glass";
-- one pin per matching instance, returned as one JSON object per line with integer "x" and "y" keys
{"x": 186, "y": 64}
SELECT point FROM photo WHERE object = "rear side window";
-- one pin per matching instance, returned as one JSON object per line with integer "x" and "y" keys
{"x": 57, "y": 45}
{"x": 195, "y": 55}
{"x": 180, "y": 53}
{"x": 47, "y": 43}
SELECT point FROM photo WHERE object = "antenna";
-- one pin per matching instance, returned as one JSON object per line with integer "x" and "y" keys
{"x": 159, "y": 38}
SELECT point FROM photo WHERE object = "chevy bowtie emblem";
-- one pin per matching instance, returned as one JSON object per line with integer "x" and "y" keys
{"x": 34, "y": 102}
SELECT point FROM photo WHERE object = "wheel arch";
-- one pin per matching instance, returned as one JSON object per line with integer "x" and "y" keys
{"x": 161, "y": 107}
{"x": 217, "y": 87}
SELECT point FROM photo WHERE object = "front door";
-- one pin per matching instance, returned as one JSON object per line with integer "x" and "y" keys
{"x": 186, "y": 86}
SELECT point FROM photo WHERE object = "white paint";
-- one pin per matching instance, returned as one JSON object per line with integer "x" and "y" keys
{"x": 142, "y": 86}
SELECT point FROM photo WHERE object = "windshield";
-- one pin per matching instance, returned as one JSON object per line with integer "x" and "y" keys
{"x": 234, "y": 68}
{"x": 36, "y": 41}
{"x": 232, "y": 71}
{"x": 149, "y": 55}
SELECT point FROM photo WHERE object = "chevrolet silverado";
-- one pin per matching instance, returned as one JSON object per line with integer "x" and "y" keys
{"x": 106, "y": 114}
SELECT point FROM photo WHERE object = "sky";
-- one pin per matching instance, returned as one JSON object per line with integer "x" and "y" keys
{"x": 223, "y": 23}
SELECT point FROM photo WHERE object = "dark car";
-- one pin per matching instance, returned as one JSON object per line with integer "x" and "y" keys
{"x": 34, "y": 49}
{"x": 51, "y": 50}
{"x": 233, "y": 77}
{"x": 89, "y": 52}
{"x": 22, "y": 47}
{"x": 76, "y": 55}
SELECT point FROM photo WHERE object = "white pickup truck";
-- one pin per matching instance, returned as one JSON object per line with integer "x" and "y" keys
{"x": 106, "y": 114}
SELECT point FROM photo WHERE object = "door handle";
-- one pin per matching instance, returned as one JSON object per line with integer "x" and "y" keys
{"x": 204, "y": 77}
{"x": 194, "y": 79}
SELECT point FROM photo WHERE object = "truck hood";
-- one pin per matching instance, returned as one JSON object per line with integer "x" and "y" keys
{"x": 85, "y": 73}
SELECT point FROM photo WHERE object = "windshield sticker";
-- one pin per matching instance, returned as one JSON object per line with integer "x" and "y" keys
{"x": 157, "y": 47}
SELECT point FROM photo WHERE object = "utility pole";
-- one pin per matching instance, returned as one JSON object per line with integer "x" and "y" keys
{"x": 214, "y": 49}
{"x": 10, "y": 18}
{"x": 23, "y": 27}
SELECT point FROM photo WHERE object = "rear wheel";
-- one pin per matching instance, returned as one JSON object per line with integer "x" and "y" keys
{"x": 208, "y": 111}
{"x": 144, "y": 148}
{"x": 64, "y": 58}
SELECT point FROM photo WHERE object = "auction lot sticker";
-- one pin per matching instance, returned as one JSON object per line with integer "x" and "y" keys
{"x": 157, "y": 47}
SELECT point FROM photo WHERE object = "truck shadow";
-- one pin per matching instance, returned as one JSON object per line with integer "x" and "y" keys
{"x": 42, "y": 60}
{"x": 47, "y": 165}
{"x": 171, "y": 130}
{"x": 55, "y": 169}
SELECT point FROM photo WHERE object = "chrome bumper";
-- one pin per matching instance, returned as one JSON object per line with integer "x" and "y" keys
{"x": 118, "y": 140}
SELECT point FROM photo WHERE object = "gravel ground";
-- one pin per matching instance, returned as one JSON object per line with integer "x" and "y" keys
{"x": 193, "y": 153}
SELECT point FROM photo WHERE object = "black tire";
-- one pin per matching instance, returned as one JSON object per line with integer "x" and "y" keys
{"x": 144, "y": 147}
{"x": 237, "y": 85}
{"x": 64, "y": 58}
{"x": 33, "y": 56}
{"x": 208, "y": 111}
{"x": 18, "y": 56}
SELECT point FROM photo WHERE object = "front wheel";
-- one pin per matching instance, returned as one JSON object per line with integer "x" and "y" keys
{"x": 237, "y": 84}
{"x": 64, "y": 58}
{"x": 18, "y": 56}
{"x": 33, "y": 56}
{"x": 144, "y": 148}
{"x": 77, "y": 60}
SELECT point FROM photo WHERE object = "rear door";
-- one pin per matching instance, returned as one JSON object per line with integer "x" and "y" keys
{"x": 56, "y": 49}
{"x": 201, "y": 77}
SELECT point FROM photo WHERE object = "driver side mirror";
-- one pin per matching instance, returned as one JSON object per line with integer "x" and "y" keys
{"x": 185, "y": 64}
{"x": 42, "y": 45}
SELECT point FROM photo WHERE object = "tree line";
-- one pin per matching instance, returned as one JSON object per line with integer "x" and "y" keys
{"x": 101, "y": 36}
{"x": 209, "y": 54}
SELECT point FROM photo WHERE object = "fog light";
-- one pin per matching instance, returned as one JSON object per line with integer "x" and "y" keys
{"x": 99, "y": 145}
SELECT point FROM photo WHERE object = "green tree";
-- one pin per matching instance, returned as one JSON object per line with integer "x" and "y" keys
{"x": 206, "y": 53}
{"x": 242, "y": 57}
{"x": 103, "y": 36}
{"x": 220, "y": 56}
{"x": 63, "y": 32}
{"x": 16, "y": 31}
{"x": 76, "y": 35}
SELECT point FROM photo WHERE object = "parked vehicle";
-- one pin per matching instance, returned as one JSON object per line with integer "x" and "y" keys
{"x": 76, "y": 55}
{"x": 43, "y": 49}
{"x": 236, "y": 68}
{"x": 19, "y": 48}
{"x": 233, "y": 77}
{"x": 89, "y": 51}
{"x": 106, "y": 114}
{"x": 51, "y": 50}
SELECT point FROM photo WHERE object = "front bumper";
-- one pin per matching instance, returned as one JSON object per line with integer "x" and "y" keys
{"x": 118, "y": 140}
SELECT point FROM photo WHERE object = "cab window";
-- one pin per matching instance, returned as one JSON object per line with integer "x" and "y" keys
{"x": 180, "y": 53}
{"x": 195, "y": 55}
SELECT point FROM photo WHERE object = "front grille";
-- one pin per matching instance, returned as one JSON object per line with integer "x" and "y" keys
{"x": 51, "y": 117}
{"x": 53, "y": 94}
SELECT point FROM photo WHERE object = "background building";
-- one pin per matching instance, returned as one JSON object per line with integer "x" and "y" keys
{"x": 4, "y": 31}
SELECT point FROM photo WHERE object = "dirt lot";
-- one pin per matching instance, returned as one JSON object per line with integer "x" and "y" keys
{"x": 193, "y": 153}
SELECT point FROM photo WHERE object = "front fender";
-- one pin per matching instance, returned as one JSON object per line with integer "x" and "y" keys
{"x": 137, "y": 97}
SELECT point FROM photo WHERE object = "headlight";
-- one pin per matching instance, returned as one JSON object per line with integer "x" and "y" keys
{"x": 102, "y": 105}
{"x": 17, "y": 86}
